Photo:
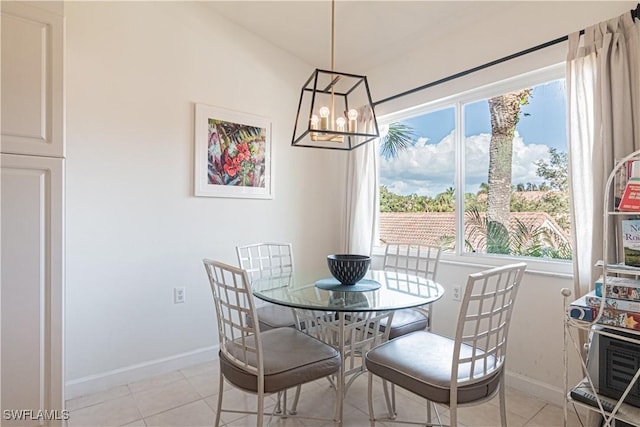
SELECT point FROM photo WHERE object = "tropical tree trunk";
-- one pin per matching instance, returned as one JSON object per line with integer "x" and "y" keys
{"x": 505, "y": 112}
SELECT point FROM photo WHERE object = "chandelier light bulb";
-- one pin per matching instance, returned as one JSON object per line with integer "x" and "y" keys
{"x": 340, "y": 121}
{"x": 324, "y": 118}
{"x": 353, "y": 116}
{"x": 314, "y": 121}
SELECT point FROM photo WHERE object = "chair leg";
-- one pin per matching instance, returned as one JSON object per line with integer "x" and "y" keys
{"x": 453, "y": 414}
{"x": 294, "y": 405}
{"x": 278, "y": 408}
{"x": 220, "y": 387}
{"x": 296, "y": 398}
{"x": 284, "y": 404}
{"x": 260, "y": 410}
{"x": 339, "y": 408}
{"x": 391, "y": 402}
{"x": 372, "y": 417}
{"x": 503, "y": 406}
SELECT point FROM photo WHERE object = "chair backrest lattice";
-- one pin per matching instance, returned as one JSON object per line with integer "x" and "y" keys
{"x": 239, "y": 339}
{"x": 265, "y": 259}
{"x": 483, "y": 323}
{"x": 415, "y": 259}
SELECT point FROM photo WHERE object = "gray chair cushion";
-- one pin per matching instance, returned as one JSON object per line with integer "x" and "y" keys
{"x": 273, "y": 316}
{"x": 405, "y": 322}
{"x": 291, "y": 357}
{"x": 421, "y": 363}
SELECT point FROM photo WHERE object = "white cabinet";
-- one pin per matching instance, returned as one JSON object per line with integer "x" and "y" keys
{"x": 32, "y": 80}
{"x": 32, "y": 214}
{"x": 32, "y": 286}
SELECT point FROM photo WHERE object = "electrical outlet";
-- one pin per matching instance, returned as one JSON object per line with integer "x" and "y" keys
{"x": 179, "y": 295}
{"x": 457, "y": 293}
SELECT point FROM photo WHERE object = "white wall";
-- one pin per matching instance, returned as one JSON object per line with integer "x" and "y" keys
{"x": 536, "y": 338}
{"x": 519, "y": 26}
{"x": 134, "y": 229}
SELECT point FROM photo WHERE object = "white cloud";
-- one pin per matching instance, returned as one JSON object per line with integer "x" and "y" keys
{"x": 428, "y": 169}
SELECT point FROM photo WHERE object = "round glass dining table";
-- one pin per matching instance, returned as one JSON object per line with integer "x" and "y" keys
{"x": 378, "y": 291}
{"x": 348, "y": 310}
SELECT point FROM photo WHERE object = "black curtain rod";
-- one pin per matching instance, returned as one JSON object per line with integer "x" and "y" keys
{"x": 634, "y": 15}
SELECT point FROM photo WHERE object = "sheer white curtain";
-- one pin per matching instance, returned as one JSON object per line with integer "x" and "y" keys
{"x": 362, "y": 192}
{"x": 603, "y": 113}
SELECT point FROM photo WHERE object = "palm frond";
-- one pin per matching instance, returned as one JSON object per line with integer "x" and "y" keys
{"x": 399, "y": 138}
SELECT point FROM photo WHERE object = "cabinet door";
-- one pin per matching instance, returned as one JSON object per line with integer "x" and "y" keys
{"x": 32, "y": 80}
{"x": 31, "y": 217}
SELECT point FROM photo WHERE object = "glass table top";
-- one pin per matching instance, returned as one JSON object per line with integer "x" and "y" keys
{"x": 378, "y": 291}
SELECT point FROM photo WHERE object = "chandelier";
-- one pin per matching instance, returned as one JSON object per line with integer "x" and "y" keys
{"x": 335, "y": 109}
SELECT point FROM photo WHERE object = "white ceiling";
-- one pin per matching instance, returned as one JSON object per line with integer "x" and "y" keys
{"x": 367, "y": 32}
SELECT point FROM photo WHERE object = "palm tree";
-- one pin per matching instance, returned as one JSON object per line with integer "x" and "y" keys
{"x": 505, "y": 113}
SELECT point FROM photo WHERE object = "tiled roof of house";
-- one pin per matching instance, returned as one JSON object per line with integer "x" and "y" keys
{"x": 430, "y": 227}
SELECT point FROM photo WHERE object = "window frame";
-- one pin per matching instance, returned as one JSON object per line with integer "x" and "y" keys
{"x": 553, "y": 267}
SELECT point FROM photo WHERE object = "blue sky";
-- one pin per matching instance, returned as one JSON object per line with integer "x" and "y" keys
{"x": 427, "y": 167}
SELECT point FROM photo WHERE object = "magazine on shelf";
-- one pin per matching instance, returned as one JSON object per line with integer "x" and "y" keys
{"x": 630, "y": 230}
{"x": 619, "y": 287}
{"x": 620, "y": 268}
{"x": 581, "y": 310}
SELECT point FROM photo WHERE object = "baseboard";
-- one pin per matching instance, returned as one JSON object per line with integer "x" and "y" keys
{"x": 106, "y": 380}
{"x": 533, "y": 387}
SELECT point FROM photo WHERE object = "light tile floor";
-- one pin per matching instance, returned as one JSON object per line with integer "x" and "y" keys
{"x": 188, "y": 398}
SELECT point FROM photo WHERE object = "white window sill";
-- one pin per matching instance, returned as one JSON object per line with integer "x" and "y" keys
{"x": 536, "y": 266}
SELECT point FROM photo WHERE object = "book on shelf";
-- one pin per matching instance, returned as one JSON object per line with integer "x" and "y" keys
{"x": 630, "y": 230}
{"x": 581, "y": 310}
{"x": 619, "y": 287}
{"x": 620, "y": 181}
{"x": 626, "y": 188}
{"x": 630, "y": 200}
{"x": 616, "y": 304}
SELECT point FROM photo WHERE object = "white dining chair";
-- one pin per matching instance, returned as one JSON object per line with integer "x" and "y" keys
{"x": 261, "y": 362}
{"x": 467, "y": 369}
{"x": 263, "y": 260}
{"x": 417, "y": 260}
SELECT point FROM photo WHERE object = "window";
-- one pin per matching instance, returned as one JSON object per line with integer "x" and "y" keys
{"x": 502, "y": 147}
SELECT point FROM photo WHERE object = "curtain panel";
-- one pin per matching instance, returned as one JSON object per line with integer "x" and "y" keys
{"x": 362, "y": 192}
{"x": 603, "y": 125}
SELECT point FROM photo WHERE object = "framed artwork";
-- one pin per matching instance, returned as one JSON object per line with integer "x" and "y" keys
{"x": 232, "y": 154}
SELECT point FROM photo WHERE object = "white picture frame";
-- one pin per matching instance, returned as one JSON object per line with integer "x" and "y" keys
{"x": 232, "y": 154}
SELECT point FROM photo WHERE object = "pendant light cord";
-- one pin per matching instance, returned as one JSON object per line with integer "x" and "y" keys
{"x": 333, "y": 20}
